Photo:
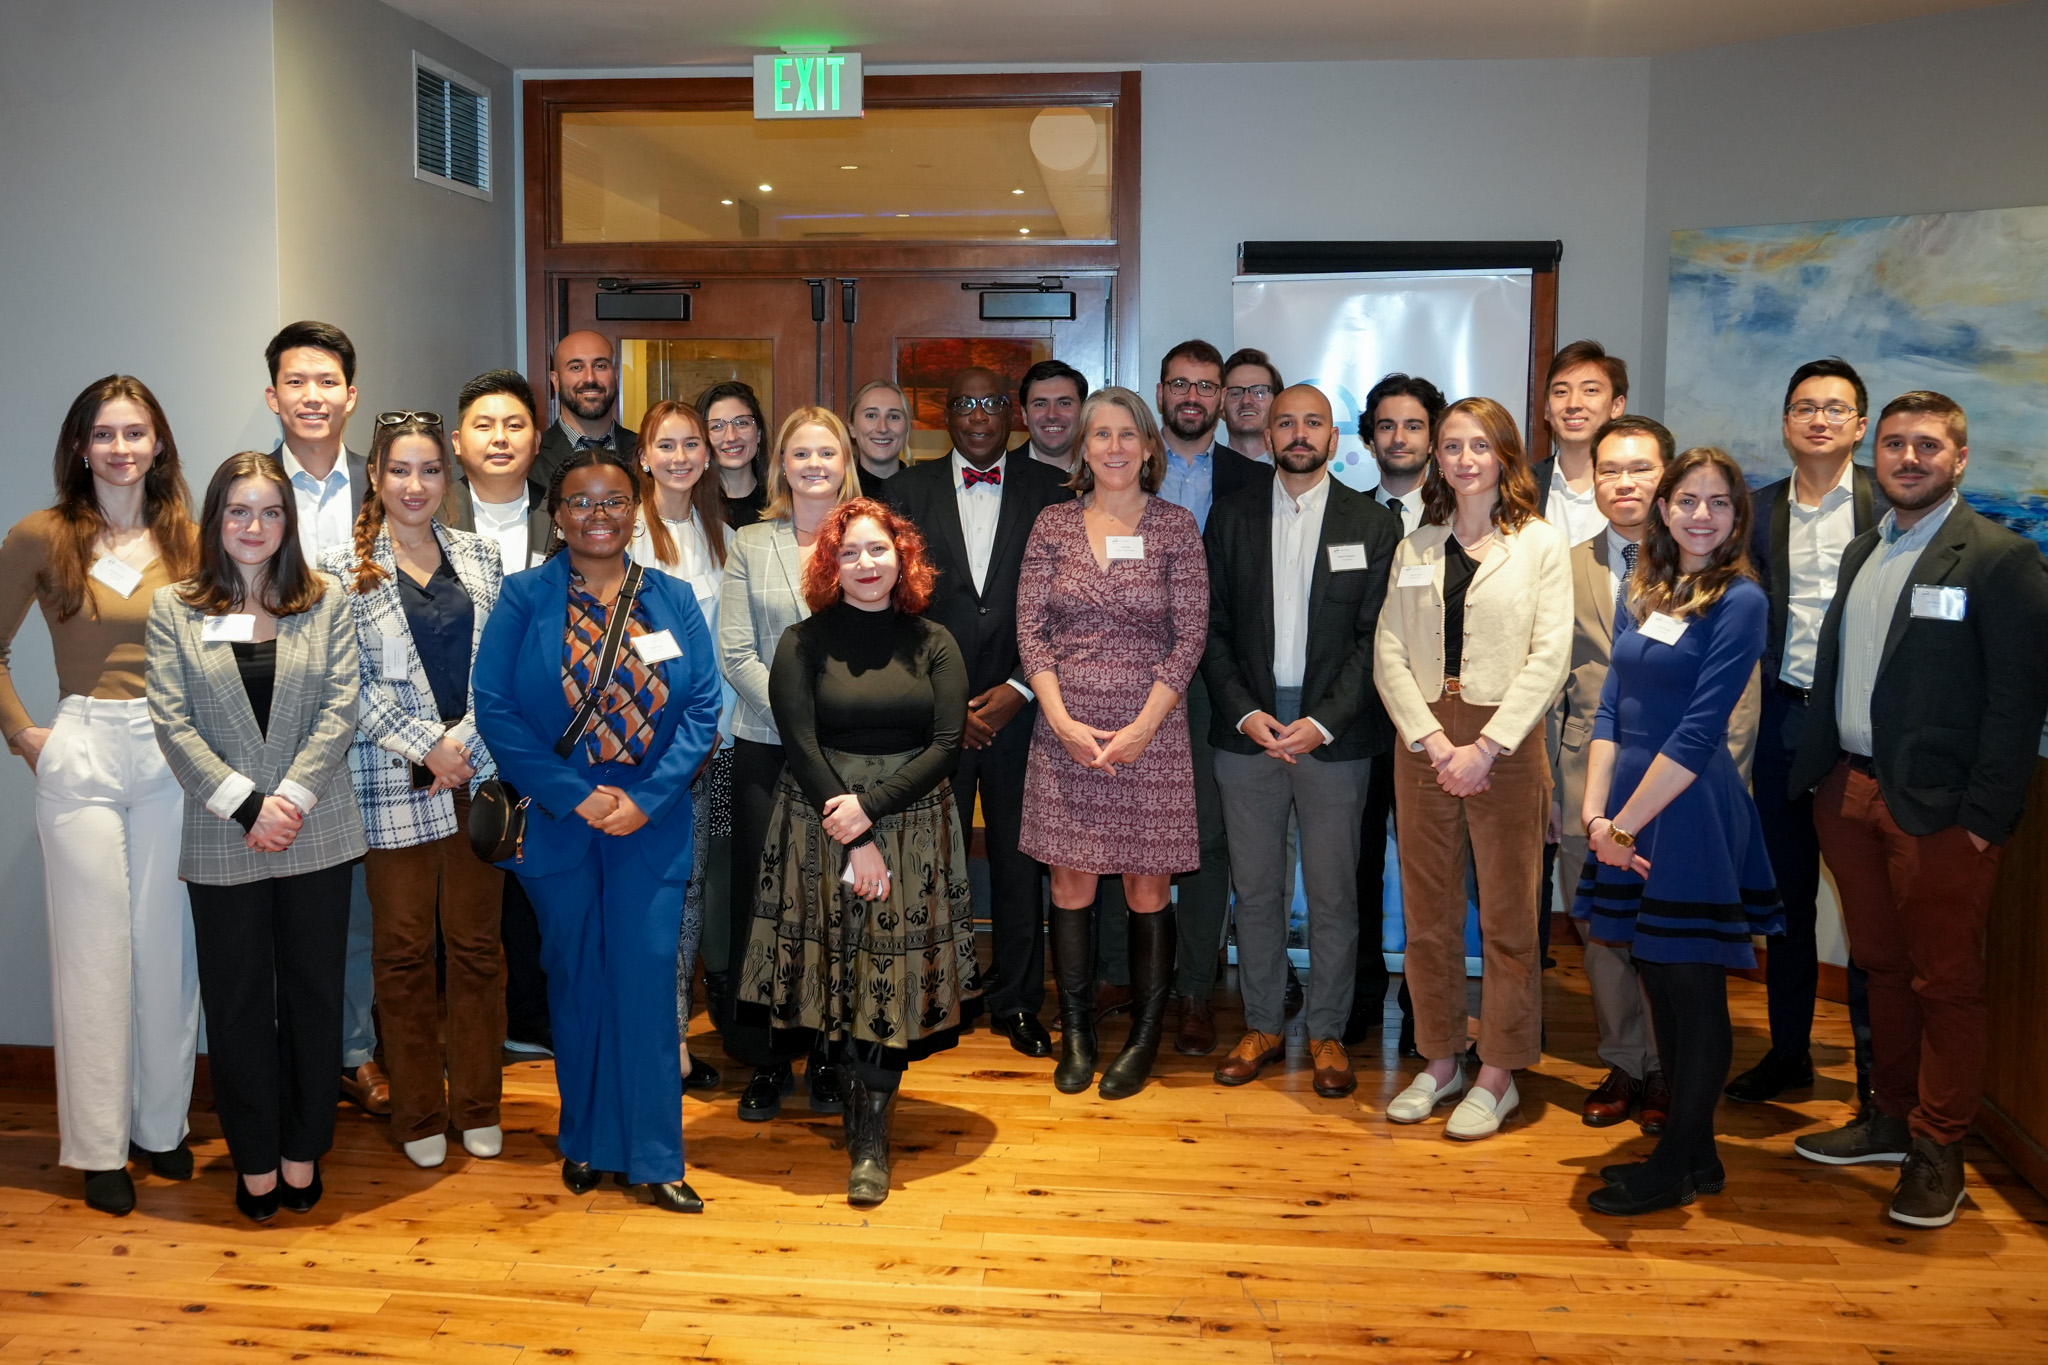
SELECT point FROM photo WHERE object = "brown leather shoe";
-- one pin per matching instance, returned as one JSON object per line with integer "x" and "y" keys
{"x": 1611, "y": 1101}
{"x": 369, "y": 1087}
{"x": 1656, "y": 1107}
{"x": 1197, "y": 1036}
{"x": 1334, "y": 1076}
{"x": 1111, "y": 999}
{"x": 1249, "y": 1057}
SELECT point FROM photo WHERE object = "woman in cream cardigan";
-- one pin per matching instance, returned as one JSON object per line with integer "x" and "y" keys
{"x": 1474, "y": 644}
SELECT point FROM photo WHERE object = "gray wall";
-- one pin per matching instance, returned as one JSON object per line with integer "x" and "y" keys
{"x": 422, "y": 278}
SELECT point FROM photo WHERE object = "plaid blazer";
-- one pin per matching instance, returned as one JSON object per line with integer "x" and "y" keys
{"x": 209, "y": 735}
{"x": 399, "y": 720}
{"x": 762, "y": 596}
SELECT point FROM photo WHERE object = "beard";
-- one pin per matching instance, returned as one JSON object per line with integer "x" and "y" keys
{"x": 1927, "y": 497}
{"x": 1299, "y": 460}
{"x": 1402, "y": 463}
{"x": 1194, "y": 431}
{"x": 589, "y": 404}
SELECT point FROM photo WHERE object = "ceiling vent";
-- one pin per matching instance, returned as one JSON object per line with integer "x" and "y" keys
{"x": 451, "y": 129}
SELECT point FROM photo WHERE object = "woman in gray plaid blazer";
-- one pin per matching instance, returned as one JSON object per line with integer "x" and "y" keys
{"x": 420, "y": 594}
{"x": 252, "y": 682}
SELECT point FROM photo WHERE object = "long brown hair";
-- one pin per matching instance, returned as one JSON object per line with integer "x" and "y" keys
{"x": 704, "y": 498}
{"x": 1657, "y": 585}
{"x": 1515, "y": 500}
{"x": 367, "y": 573}
{"x": 166, "y": 504}
{"x": 289, "y": 585}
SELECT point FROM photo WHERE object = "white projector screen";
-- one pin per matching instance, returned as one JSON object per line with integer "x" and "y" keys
{"x": 1466, "y": 331}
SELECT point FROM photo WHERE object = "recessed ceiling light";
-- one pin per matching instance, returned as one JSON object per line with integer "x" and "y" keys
{"x": 1025, "y": 231}
{"x": 1016, "y": 191}
{"x": 849, "y": 168}
{"x": 725, "y": 201}
{"x": 902, "y": 215}
{"x": 766, "y": 188}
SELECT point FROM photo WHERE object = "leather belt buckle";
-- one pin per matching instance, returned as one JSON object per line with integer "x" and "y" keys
{"x": 1452, "y": 687}
{"x": 1860, "y": 762}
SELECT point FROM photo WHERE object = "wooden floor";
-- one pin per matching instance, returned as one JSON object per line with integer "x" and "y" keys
{"x": 1188, "y": 1224}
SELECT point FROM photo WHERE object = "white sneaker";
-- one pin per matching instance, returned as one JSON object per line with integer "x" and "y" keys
{"x": 1422, "y": 1096}
{"x": 484, "y": 1142}
{"x": 428, "y": 1151}
{"x": 1481, "y": 1115}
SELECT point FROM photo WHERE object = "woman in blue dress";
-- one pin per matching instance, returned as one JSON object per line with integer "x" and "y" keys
{"x": 1681, "y": 876}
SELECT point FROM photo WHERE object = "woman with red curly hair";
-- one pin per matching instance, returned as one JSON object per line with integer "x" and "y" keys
{"x": 863, "y": 933}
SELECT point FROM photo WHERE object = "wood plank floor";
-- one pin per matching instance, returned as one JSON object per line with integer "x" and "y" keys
{"x": 1190, "y": 1224}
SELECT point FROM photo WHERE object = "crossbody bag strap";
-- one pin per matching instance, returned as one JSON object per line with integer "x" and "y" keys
{"x": 608, "y": 660}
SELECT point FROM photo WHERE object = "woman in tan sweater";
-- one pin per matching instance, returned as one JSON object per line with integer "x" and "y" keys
{"x": 123, "y": 984}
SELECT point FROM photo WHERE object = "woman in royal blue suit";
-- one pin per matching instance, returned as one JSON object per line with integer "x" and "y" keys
{"x": 607, "y": 851}
{"x": 1682, "y": 877}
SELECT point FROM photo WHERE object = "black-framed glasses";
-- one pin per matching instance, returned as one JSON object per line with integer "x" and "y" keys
{"x": 1205, "y": 387}
{"x": 1261, "y": 392}
{"x": 399, "y": 419}
{"x": 1834, "y": 414}
{"x": 583, "y": 508}
{"x": 994, "y": 404}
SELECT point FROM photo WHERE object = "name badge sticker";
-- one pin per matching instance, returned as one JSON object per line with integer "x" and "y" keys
{"x": 395, "y": 664}
{"x": 1416, "y": 576}
{"x": 1931, "y": 602}
{"x": 1344, "y": 558}
{"x": 118, "y": 574}
{"x": 239, "y": 628}
{"x": 1124, "y": 547}
{"x": 1665, "y": 630}
{"x": 655, "y": 648}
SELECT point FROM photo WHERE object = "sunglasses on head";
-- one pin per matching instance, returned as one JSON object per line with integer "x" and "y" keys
{"x": 399, "y": 419}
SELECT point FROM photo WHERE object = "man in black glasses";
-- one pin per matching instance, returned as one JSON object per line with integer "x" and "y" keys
{"x": 584, "y": 374}
{"x": 1250, "y": 379}
{"x": 976, "y": 509}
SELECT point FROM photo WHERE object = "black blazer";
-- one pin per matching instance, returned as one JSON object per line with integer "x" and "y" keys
{"x": 1541, "y": 472}
{"x": 556, "y": 448}
{"x": 1234, "y": 473}
{"x": 1343, "y": 614}
{"x": 984, "y": 623}
{"x": 540, "y": 527}
{"x": 1956, "y": 713}
{"x": 1770, "y": 526}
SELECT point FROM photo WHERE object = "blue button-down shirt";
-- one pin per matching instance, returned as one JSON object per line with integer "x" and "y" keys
{"x": 1191, "y": 485}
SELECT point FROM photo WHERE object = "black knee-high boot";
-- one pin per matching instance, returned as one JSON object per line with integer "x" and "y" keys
{"x": 866, "y": 1121}
{"x": 1152, "y": 968}
{"x": 1073, "y": 965}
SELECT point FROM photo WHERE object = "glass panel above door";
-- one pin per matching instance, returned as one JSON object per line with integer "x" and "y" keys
{"x": 955, "y": 174}
{"x": 653, "y": 370}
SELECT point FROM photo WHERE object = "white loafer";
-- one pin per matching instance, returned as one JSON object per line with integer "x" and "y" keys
{"x": 1422, "y": 1096}
{"x": 1481, "y": 1115}
{"x": 484, "y": 1142}
{"x": 428, "y": 1151}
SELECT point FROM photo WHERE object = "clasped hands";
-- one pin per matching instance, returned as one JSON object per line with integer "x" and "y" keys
{"x": 1461, "y": 769}
{"x": 449, "y": 762}
{"x": 277, "y": 824}
{"x": 1103, "y": 749}
{"x": 1600, "y": 838}
{"x": 1284, "y": 742}
{"x": 608, "y": 810}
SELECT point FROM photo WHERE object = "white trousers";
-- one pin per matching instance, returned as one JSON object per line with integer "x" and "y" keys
{"x": 124, "y": 984}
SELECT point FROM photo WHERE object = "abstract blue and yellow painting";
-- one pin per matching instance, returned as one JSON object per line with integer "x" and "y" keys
{"x": 1956, "y": 302}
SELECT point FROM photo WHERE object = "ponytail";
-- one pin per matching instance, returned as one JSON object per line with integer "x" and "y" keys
{"x": 369, "y": 524}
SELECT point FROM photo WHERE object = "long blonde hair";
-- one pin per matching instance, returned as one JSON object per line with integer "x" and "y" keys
{"x": 778, "y": 508}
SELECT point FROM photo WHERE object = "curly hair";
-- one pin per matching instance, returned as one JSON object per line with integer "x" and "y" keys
{"x": 915, "y": 576}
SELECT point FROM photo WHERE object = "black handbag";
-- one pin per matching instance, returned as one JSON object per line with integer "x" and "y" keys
{"x": 497, "y": 812}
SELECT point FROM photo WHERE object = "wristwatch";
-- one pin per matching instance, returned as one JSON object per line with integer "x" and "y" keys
{"x": 1621, "y": 837}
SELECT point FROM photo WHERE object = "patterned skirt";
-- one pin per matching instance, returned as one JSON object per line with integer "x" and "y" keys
{"x": 896, "y": 973}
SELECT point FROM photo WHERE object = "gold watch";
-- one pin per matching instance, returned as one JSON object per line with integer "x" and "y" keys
{"x": 1621, "y": 837}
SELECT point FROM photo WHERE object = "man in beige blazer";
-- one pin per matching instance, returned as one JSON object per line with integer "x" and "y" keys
{"x": 1629, "y": 455}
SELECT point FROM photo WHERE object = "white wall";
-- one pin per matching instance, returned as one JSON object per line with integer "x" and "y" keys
{"x": 138, "y": 232}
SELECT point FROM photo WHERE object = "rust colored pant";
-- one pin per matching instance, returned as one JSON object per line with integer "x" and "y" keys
{"x": 407, "y": 887}
{"x": 1502, "y": 828}
{"x": 1915, "y": 907}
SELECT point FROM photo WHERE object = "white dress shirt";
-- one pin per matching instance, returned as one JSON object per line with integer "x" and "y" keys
{"x": 1814, "y": 540}
{"x": 1408, "y": 507}
{"x": 325, "y": 517}
{"x": 1575, "y": 514}
{"x": 1297, "y": 534}
{"x": 980, "y": 508}
{"x": 503, "y": 523}
{"x": 1867, "y": 620}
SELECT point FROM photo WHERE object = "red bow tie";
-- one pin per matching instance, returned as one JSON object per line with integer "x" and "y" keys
{"x": 970, "y": 476}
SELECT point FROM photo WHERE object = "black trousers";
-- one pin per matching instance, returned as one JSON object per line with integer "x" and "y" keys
{"x": 1016, "y": 880}
{"x": 1372, "y": 875}
{"x": 756, "y": 768}
{"x": 526, "y": 982}
{"x": 271, "y": 957}
{"x": 1689, "y": 1008}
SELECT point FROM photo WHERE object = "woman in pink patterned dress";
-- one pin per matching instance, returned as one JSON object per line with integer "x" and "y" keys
{"x": 1112, "y": 617}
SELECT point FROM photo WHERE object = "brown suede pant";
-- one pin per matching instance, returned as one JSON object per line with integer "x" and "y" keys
{"x": 1502, "y": 829}
{"x": 407, "y": 886}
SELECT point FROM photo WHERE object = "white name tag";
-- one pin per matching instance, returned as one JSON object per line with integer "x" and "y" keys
{"x": 536, "y": 559}
{"x": 1665, "y": 630}
{"x": 239, "y": 628}
{"x": 654, "y": 648}
{"x": 1344, "y": 558}
{"x": 1124, "y": 547}
{"x": 395, "y": 663}
{"x": 118, "y": 574}
{"x": 1939, "y": 604}
{"x": 1417, "y": 576}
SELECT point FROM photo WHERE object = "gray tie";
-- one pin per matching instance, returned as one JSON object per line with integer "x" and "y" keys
{"x": 1628, "y": 568}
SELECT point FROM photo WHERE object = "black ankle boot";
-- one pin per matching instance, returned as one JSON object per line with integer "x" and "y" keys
{"x": 866, "y": 1124}
{"x": 1073, "y": 965}
{"x": 1152, "y": 966}
{"x": 718, "y": 997}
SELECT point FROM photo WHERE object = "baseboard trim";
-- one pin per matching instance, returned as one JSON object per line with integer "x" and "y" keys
{"x": 23, "y": 1067}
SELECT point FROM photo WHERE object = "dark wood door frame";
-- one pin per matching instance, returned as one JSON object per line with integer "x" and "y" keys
{"x": 548, "y": 257}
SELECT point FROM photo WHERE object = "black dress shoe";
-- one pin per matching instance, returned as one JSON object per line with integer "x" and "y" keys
{"x": 257, "y": 1208}
{"x": 578, "y": 1177}
{"x": 676, "y": 1196}
{"x": 110, "y": 1191}
{"x": 762, "y": 1099}
{"x": 1025, "y": 1033}
{"x": 703, "y": 1076}
{"x": 1620, "y": 1201}
{"x": 1711, "y": 1178}
{"x": 175, "y": 1164}
{"x": 300, "y": 1198}
{"x": 1771, "y": 1077}
{"x": 824, "y": 1081}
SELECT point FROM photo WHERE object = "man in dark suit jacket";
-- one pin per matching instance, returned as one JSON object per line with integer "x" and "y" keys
{"x": 1801, "y": 527}
{"x": 1931, "y": 692}
{"x": 1297, "y": 573}
{"x": 584, "y": 376}
{"x": 976, "y": 508}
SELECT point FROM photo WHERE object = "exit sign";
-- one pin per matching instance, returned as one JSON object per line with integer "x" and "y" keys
{"x": 807, "y": 85}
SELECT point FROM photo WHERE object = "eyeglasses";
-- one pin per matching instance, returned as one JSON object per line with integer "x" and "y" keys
{"x": 1608, "y": 473}
{"x": 1205, "y": 387}
{"x": 583, "y": 508}
{"x": 738, "y": 426}
{"x": 399, "y": 419}
{"x": 1261, "y": 392}
{"x": 994, "y": 404}
{"x": 1834, "y": 414}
